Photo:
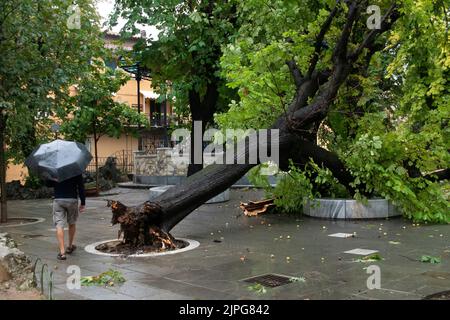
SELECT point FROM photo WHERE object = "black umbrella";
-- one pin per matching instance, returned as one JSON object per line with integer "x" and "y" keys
{"x": 59, "y": 160}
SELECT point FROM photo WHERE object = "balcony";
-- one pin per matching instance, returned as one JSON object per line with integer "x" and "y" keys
{"x": 157, "y": 119}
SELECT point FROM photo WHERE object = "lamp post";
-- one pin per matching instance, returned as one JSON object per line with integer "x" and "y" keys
{"x": 140, "y": 73}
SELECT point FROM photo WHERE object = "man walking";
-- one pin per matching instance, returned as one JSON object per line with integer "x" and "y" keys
{"x": 65, "y": 208}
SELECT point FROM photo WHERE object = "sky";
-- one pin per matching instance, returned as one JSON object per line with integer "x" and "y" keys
{"x": 105, "y": 7}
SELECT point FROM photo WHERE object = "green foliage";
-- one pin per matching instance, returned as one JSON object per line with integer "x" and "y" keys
{"x": 298, "y": 185}
{"x": 386, "y": 123}
{"x": 257, "y": 288}
{"x": 371, "y": 258}
{"x": 292, "y": 190}
{"x": 108, "y": 278}
{"x": 378, "y": 164}
{"x": 94, "y": 110}
{"x": 257, "y": 179}
{"x": 184, "y": 57}
{"x": 430, "y": 259}
{"x": 33, "y": 182}
{"x": 41, "y": 57}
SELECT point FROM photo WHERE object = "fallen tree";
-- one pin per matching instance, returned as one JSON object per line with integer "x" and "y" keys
{"x": 316, "y": 91}
{"x": 174, "y": 205}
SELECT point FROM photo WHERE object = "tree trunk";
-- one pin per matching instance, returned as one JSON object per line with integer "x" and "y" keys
{"x": 202, "y": 111}
{"x": 161, "y": 215}
{"x": 195, "y": 105}
{"x": 3, "y": 204}
{"x": 96, "y": 158}
{"x": 195, "y": 165}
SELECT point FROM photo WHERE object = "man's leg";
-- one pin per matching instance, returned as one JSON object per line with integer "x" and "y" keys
{"x": 72, "y": 230}
{"x": 72, "y": 216}
{"x": 60, "y": 237}
{"x": 59, "y": 215}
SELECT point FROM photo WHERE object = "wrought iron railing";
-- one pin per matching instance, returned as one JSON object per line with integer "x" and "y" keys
{"x": 45, "y": 277}
{"x": 124, "y": 161}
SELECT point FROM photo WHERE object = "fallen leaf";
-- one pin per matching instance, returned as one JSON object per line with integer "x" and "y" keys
{"x": 430, "y": 259}
{"x": 297, "y": 279}
{"x": 370, "y": 258}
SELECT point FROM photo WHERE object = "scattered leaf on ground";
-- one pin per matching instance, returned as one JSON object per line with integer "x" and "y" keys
{"x": 107, "y": 278}
{"x": 297, "y": 279}
{"x": 371, "y": 258}
{"x": 257, "y": 288}
{"x": 430, "y": 259}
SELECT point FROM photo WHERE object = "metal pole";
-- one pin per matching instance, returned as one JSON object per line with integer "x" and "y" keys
{"x": 138, "y": 79}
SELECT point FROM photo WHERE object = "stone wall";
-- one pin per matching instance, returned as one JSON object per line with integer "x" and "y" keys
{"x": 162, "y": 164}
{"x": 160, "y": 169}
{"x": 15, "y": 266}
{"x": 159, "y": 164}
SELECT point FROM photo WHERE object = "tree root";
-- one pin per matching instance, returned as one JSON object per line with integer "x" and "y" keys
{"x": 139, "y": 225}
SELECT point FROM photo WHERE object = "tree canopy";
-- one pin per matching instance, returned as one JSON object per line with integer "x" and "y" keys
{"x": 184, "y": 59}
{"x": 45, "y": 47}
{"x": 42, "y": 55}
{"x": 389, "y": 120}
{"x": 187, "y": 49}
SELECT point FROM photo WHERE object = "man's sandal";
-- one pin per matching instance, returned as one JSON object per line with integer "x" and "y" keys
{"x": 71, "y": 249}
{"x": 61, "y": 256}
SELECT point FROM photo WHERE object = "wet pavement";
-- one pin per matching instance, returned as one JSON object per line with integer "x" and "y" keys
{"x": 234, "y": 247}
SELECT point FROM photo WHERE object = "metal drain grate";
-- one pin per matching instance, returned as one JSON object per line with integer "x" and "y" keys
{"x": 270, "y": 280}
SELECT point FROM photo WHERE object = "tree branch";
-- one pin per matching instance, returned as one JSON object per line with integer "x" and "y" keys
{"x": 439, "y": 175}
{"x": 392, "y": 15}
{"x": 319, "y": 39}
{"x": 340, "y": 51}
{"x": 295, "y": 72}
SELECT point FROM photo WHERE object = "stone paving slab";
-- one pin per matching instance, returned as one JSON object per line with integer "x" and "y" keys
{"x": 234, "y": 247}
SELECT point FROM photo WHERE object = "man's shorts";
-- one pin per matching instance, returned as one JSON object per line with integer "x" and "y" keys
{"x": 65, "y": 209}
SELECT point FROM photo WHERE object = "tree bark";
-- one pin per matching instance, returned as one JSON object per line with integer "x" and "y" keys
{"x": 202, "y": 111}
{"x": 196, "y": 114}
{"x": 94, "y": 127}
{"x": 3, "y": 200}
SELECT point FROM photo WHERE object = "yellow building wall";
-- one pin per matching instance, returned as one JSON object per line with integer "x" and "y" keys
{"x": 16, "y": 172}
{"x": 108, "y": 146}
{"x": 128, "y": 93}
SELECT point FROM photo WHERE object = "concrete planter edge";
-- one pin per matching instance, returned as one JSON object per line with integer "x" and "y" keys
{"x": 328, "y": 208}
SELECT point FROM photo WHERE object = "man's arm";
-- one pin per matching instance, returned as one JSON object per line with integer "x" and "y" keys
{"x": 81, "y": 193}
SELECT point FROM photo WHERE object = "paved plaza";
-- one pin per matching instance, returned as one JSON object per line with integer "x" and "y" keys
{"x": 234, "y": 247}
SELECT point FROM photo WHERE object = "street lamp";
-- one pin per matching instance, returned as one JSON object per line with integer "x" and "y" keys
{"x": 140, "y": 73}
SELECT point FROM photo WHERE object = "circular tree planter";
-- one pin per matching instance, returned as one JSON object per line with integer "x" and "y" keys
{"x": 92, "y": 248}
{"x": 350, "y": 209}
{"x": 21, "y": 221}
